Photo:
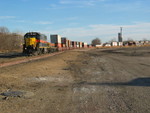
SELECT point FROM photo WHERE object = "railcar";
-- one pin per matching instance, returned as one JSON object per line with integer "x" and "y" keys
{"x": 36, "y": 43}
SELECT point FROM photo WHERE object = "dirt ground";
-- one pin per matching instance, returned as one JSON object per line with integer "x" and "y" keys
{"x": 80, "y": 81}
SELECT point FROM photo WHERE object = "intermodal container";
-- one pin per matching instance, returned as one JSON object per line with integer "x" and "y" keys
{"x": 120, "y": 43}
{"x": 55, "y": 39}
{"x": 84, "y": 45}
{"x": 78, "y": 43}
{"x": 74, "y": 44}
{"x": 69, "y": 43}
{"x": 58, "y": 45}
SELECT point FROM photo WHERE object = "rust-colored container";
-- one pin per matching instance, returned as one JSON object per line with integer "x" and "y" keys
{"x": 80, "y": 44}
{"x": 69, "y": 43}
{"x": 74, "y": 44}
{"x": 52, "y": 44}
{"x": 65, "y": 41}
{"x": 63, "y": 45}
{"x": 89, "y": 46}
{"x": 84, "y": 45}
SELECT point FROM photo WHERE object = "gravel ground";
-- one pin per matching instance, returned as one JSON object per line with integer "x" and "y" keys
{"x": 79, "y": 81}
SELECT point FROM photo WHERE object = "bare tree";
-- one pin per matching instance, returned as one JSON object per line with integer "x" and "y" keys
{"x": 144, "y": 39}
{"x": 96, "y": 41}
{"x": 4, "y": 30}
{"x": 10, "y": 41}
{"x": 113, "y": 40}
{"x": 130, "y": 39}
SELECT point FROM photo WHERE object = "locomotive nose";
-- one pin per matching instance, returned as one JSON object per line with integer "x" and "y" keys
{"x": 31, "y": 41}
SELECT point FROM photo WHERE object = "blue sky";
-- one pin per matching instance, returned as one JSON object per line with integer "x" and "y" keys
{"x": 79, "y": 20}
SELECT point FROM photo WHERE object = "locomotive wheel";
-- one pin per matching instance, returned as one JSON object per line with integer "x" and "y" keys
{"x": 35, "y": 53}
{"x": 38, "y": 51}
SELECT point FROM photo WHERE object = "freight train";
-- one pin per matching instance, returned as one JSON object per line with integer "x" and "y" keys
{"x": 36, "y": 43}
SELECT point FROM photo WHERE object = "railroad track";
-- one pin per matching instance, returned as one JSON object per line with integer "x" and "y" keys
{"x": 28, "y": 60}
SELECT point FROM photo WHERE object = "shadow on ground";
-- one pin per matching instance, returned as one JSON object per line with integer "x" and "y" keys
{"x": 11, "y": 55}
{"x": 135, "y": 82}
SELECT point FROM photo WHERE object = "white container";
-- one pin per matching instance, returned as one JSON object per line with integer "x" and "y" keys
{"x": 85, "y": 44}
{"x": 120, "y": 43}
{"x": 78, "y": 44}
{"x": 107, "y": 45}
{"x": 114, "y": 44}
{"x": 98, "y": 45}
{"x": 55, "y": 39}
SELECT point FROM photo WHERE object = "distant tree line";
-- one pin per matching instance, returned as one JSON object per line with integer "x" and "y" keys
{"x": 96, "y": 41}
{"x": 9, "y": 41}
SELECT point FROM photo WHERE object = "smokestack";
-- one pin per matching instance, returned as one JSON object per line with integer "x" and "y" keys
{"x": 120, "y": 35}
{"x": 121, "y": 30}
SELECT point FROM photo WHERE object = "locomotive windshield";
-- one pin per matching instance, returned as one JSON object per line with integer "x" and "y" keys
{"x": 36, "y": 35}
{"x": 30, "y": 36}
